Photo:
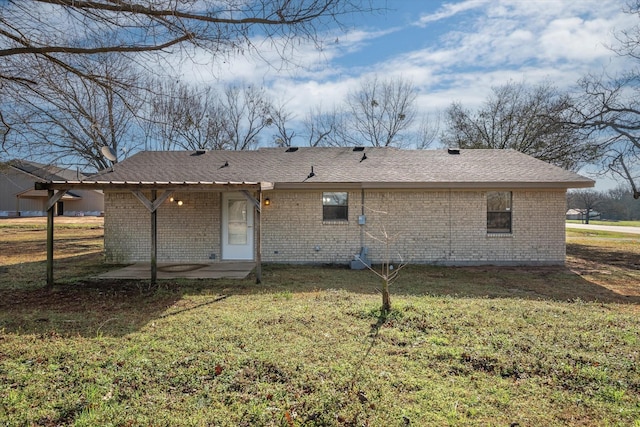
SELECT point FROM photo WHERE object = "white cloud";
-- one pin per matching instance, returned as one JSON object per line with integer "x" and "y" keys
{"x": 449, "y": 10}
{"x": 273, "y": 59}
{"x": 576, "y": 39}
{"x": 512, "y": 37}
{"x": 480, "y": 44}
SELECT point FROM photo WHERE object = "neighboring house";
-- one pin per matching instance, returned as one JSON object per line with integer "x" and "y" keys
{"x": 581, "y": 214}
{"x": 323, "y": 205}
{"x": 19, "y": 198}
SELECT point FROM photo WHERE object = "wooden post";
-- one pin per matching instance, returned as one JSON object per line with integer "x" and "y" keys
{"x": 50, "y": 240}
{"x": 258, "y": 239}
{"x": 152, "y": 206}
{"x": 52, "y": 199}
{"x": 154, "y": 241}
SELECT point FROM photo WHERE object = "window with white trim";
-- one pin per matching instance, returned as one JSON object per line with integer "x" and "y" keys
{"x": 499, "y": 212}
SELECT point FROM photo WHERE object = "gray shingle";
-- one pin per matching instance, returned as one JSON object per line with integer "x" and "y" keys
{"x": 46, "y": 172}
{"x": 382, "y": 167}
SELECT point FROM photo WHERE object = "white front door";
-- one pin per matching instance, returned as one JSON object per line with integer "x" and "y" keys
{"x": 237, "y": 227}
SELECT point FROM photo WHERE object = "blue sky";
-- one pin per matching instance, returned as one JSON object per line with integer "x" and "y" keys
{"x": 450, "y": 50}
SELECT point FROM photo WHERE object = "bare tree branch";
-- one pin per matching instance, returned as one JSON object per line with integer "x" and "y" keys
{"x": 533, "y": 120}
{"x": 90, "y": 51}
{"x": 381, "y": 110}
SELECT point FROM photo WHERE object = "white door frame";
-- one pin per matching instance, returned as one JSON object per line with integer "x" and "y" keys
{"x": 237, "y": 235}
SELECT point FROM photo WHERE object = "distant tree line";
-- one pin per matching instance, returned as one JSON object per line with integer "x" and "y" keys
{"x": 616, "y": 204}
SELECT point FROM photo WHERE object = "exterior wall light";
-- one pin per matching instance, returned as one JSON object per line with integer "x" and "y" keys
{"x": 179, "y": 202}
{"x": 267, "y": 202}
{"x": 171, "y": 199}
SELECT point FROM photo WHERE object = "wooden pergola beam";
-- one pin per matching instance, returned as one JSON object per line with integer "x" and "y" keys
{"x": 52, "y": 200}
{"x": 153, "y": 204}
{"x": 56, "y": 190}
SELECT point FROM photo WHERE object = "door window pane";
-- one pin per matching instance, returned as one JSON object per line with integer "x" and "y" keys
{"x": 237, "y": 222}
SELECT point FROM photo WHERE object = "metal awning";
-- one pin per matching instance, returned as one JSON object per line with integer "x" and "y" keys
{"x": 151, "y": 185}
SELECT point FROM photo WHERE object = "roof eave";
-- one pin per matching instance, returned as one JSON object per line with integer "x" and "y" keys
{"x": 434, "y": 185}
{"x": 201, "y": 185}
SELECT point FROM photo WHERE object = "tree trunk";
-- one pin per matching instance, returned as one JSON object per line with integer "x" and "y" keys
{"x": 386, "y": 298}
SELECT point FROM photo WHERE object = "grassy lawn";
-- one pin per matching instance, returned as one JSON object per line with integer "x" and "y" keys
{"x": 599, "y": 222}
{"x": 463, "y": 346}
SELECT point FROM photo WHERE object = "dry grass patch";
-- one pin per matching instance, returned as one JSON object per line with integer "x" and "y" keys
{"x": 609, "y": 260}
{"x": 463, "y": 346}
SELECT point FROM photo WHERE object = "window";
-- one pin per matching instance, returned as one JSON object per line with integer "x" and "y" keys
{"x": 335, "y": 206}
{"x": 499, "y": 212}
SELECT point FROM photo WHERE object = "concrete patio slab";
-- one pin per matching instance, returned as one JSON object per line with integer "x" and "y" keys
{"x": 218, "y": 270}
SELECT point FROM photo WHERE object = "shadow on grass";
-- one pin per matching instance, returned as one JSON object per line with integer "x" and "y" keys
{"x": 81, "y": 305}
{"x": 607, "y": 256}
{"x": 77, "y": 305}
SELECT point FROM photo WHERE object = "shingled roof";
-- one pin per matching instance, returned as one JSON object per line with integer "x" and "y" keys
{"x": 365, "y": 168}
{"x": 45, "y": 172}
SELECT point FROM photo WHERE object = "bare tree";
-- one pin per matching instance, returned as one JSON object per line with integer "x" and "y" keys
{"x": 281, "y": 120}
{"x": 530, "y": 119}
{"x": 382, "y": 111}
{"x": 248, "y": 112}
{"x": 585, "y": 200}
{"x": 427, "y": 132}
{"x": 387, "y": 272}
{"x": 618, "y": 204}
{"x": 59, "y": 30}
{"x": 4, "y": 130}
{"x": 327, "y": 128}
{"x": 610, "y": 110}
{"x": 153, "y": 34}
{"x": 185, "y": 117}
{"x": 66, "y": 117}
{"x": 191, "y": 118}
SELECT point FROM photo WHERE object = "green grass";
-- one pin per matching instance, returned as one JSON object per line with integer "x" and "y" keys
{"x": 324, "y": 358}
{"x": 604, "y": 222}
{"x": 309, "y": 347}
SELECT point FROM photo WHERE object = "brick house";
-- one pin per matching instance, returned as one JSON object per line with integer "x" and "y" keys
{"x": 323, "y": 205}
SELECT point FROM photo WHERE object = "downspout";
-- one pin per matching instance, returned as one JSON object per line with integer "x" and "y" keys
{"x": 362, "y": 213}
{"x": 450, "y": 229}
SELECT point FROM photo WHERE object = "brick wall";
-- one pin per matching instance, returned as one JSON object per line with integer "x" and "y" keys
{"x": 447, "y": 227}
{"x": 187, "y": 233}
{"x": 293, "y": 230}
